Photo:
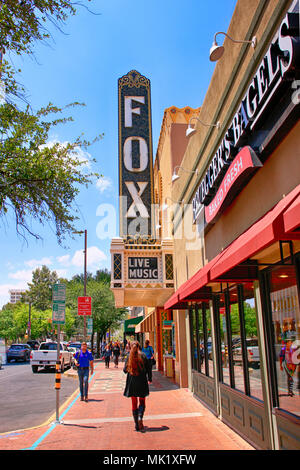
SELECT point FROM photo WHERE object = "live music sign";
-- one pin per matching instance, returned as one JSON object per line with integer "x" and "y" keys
{"x": 85, "y": 306}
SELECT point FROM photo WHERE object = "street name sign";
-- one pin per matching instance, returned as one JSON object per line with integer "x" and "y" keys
{"x": 59, "y": 304}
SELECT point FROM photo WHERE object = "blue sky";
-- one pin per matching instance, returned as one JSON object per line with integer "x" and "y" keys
{"x": 168, "y": 41}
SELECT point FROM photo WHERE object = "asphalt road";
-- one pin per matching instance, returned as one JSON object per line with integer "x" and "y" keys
{"x": 28, "y": 399}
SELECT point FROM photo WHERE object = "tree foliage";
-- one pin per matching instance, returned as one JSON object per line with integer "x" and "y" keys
{"x": 14, "y": 317}
{"x": 24, "y": 21}
{"x": 39, "y": 293}
{"x": 38, "y": 181}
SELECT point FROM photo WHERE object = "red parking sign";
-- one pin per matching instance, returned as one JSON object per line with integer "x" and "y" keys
{"x": 84, "y": 305}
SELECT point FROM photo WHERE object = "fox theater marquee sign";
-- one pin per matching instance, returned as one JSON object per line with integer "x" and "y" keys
{"x": 142, "y": 267}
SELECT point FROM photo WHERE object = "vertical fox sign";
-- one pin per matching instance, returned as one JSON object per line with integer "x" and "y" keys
{"x": 135, "y": 156}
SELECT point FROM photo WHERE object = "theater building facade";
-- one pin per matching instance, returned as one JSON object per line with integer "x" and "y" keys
{"x": 235, "y": 225}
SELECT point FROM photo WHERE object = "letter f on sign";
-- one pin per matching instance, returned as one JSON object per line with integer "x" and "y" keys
{"x": 137, "y": 201}
{"x": 129, "y": 110}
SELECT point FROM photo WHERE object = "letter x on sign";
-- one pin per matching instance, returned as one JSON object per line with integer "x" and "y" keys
{"x": 137, "y": 203}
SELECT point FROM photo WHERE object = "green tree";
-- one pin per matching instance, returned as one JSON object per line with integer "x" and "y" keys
{"x": 7, "y": 324}
{"x": 37, "y": 180}
{"x": 40, "y": 289}
{"x": 104, "y": 313}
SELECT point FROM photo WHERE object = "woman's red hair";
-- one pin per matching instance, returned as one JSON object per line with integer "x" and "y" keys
{"x": 135, "y": 362}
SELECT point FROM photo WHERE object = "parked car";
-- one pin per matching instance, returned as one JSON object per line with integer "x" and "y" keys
{"x": 33, "y": 343}
{"x": 18, "y": 352}
{"x": 46, "y": 356}
{"x": 73, "y": 351}
{"x": 75, "y": 345}
{"x": 252, "y": 352}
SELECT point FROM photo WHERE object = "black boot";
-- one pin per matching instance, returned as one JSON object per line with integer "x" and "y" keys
{"x": 136, "y": 419}
{"x": 141, "y": 411}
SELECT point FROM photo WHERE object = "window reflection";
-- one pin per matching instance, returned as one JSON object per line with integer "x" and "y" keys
{"x": 224, "y": 341}
{"x": 237, "y": 355}
{"x": 253, "y": 349}
{"x": 210, "y": 351}
{"x": 286, "y": 323}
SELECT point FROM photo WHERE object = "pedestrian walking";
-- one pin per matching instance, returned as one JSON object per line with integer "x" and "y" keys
{"x": 148, "y": 350}
{"x": 116, "y": 353}
{"x": 107, "y": 355}
{"x": 83, "y": 360}
{"x": 138, "y": 375}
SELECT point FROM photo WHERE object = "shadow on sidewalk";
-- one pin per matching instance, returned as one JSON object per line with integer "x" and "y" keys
{"x": 161, "y": 428}
{"x": 81, "y": 426}
{"x": 162, "y": 383}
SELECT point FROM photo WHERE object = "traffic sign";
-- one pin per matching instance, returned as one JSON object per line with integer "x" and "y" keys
{"x": 59, "y": 292}
{"x": 59, "y": 304}
{"x": 85, "y": 306}
{"x": 89, "y": 326}
{"x": 58, "y": 313}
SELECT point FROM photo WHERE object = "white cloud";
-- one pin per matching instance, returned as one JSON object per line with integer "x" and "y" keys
{"x": 61, "y": 272}
{"x": 103, "y": 184}
{"x": 10, "y": 266}
{"x": 94, "y": 257}
{"x": 64, "y": 260}
{"x": 34, "y": 263}
{"x": 24, "y": 275}
{"x": 77, "y": 153}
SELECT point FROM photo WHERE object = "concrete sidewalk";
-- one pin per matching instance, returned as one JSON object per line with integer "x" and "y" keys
{"x": 174, "y": 420}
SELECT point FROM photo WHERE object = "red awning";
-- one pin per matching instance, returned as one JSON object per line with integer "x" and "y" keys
{"x": 264, "y": 232}
{"x": 198, "y": 281}
{"x": 229, "y": 264}
{"x": 174, "y": 303}
{"x": 291, "y": 217}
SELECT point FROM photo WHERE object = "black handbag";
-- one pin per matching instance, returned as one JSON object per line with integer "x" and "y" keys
{"x": 153, "y": 361}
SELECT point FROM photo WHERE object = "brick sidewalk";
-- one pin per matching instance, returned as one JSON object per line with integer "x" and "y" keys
{"x": 174, "y": 420}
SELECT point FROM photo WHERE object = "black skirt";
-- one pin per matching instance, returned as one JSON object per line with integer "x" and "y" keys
{"x": 137, "y": 385}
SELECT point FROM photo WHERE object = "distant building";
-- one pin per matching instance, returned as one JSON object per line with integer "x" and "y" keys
{"x": 16, "y": 295}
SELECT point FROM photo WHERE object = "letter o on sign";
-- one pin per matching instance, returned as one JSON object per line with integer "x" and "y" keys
{"x": 128, "y": 154}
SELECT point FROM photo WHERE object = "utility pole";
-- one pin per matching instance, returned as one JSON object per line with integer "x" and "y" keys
{"x": 85, "y": 261}
{"x": 84, "y": 274}
{"x": 29, "y": 321}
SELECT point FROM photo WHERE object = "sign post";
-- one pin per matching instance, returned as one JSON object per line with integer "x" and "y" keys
{"x": 58, "y": 318}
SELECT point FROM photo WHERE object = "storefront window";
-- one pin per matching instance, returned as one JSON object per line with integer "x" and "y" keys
{"x": 209, "y": 348}
{"x": 201, "y": 342}
{"x": 286, "y": 323}
{"x": 253, "y": 349}
{"x": 224, "y": 341}
{"x": 236, "y": 340}
{"x": 201, "y": 362}
{"x": 193, "y": 339}
{"x": 240, "y": 353}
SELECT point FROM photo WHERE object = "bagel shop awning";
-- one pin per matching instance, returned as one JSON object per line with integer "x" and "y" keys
{"x": 262, "y": 234}
{"x": 291, "y": 217}
{"x": 130, "y": 324}
{"x": 233, "y": 264}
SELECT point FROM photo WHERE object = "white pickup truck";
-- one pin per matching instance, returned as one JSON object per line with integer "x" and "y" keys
{"x": 46, "y": 356}
{"x": 252, "y": 352}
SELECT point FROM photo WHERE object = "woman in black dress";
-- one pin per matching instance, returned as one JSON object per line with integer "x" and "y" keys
{"x": 138, "y": 375}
